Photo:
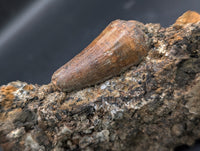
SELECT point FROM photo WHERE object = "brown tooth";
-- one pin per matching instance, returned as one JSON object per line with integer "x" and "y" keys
{"x": 120, "y": 45}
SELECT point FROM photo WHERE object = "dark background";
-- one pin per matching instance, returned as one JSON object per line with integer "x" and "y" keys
{"x": 38, "y": 36}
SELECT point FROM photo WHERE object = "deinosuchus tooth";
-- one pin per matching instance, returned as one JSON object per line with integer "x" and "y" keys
{"x": 120, "y": 45}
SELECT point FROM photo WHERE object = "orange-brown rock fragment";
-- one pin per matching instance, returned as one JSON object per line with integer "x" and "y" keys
{"x": 28, "y": 87}
{"x": 7, "y": 92}
{"x": 186, "y": 18}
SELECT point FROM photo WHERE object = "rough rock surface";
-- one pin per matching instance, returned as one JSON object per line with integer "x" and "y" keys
{"x": 154, "y": 106}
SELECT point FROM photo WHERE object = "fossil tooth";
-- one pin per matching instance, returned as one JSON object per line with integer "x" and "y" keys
{"x": 120, "y": 45}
